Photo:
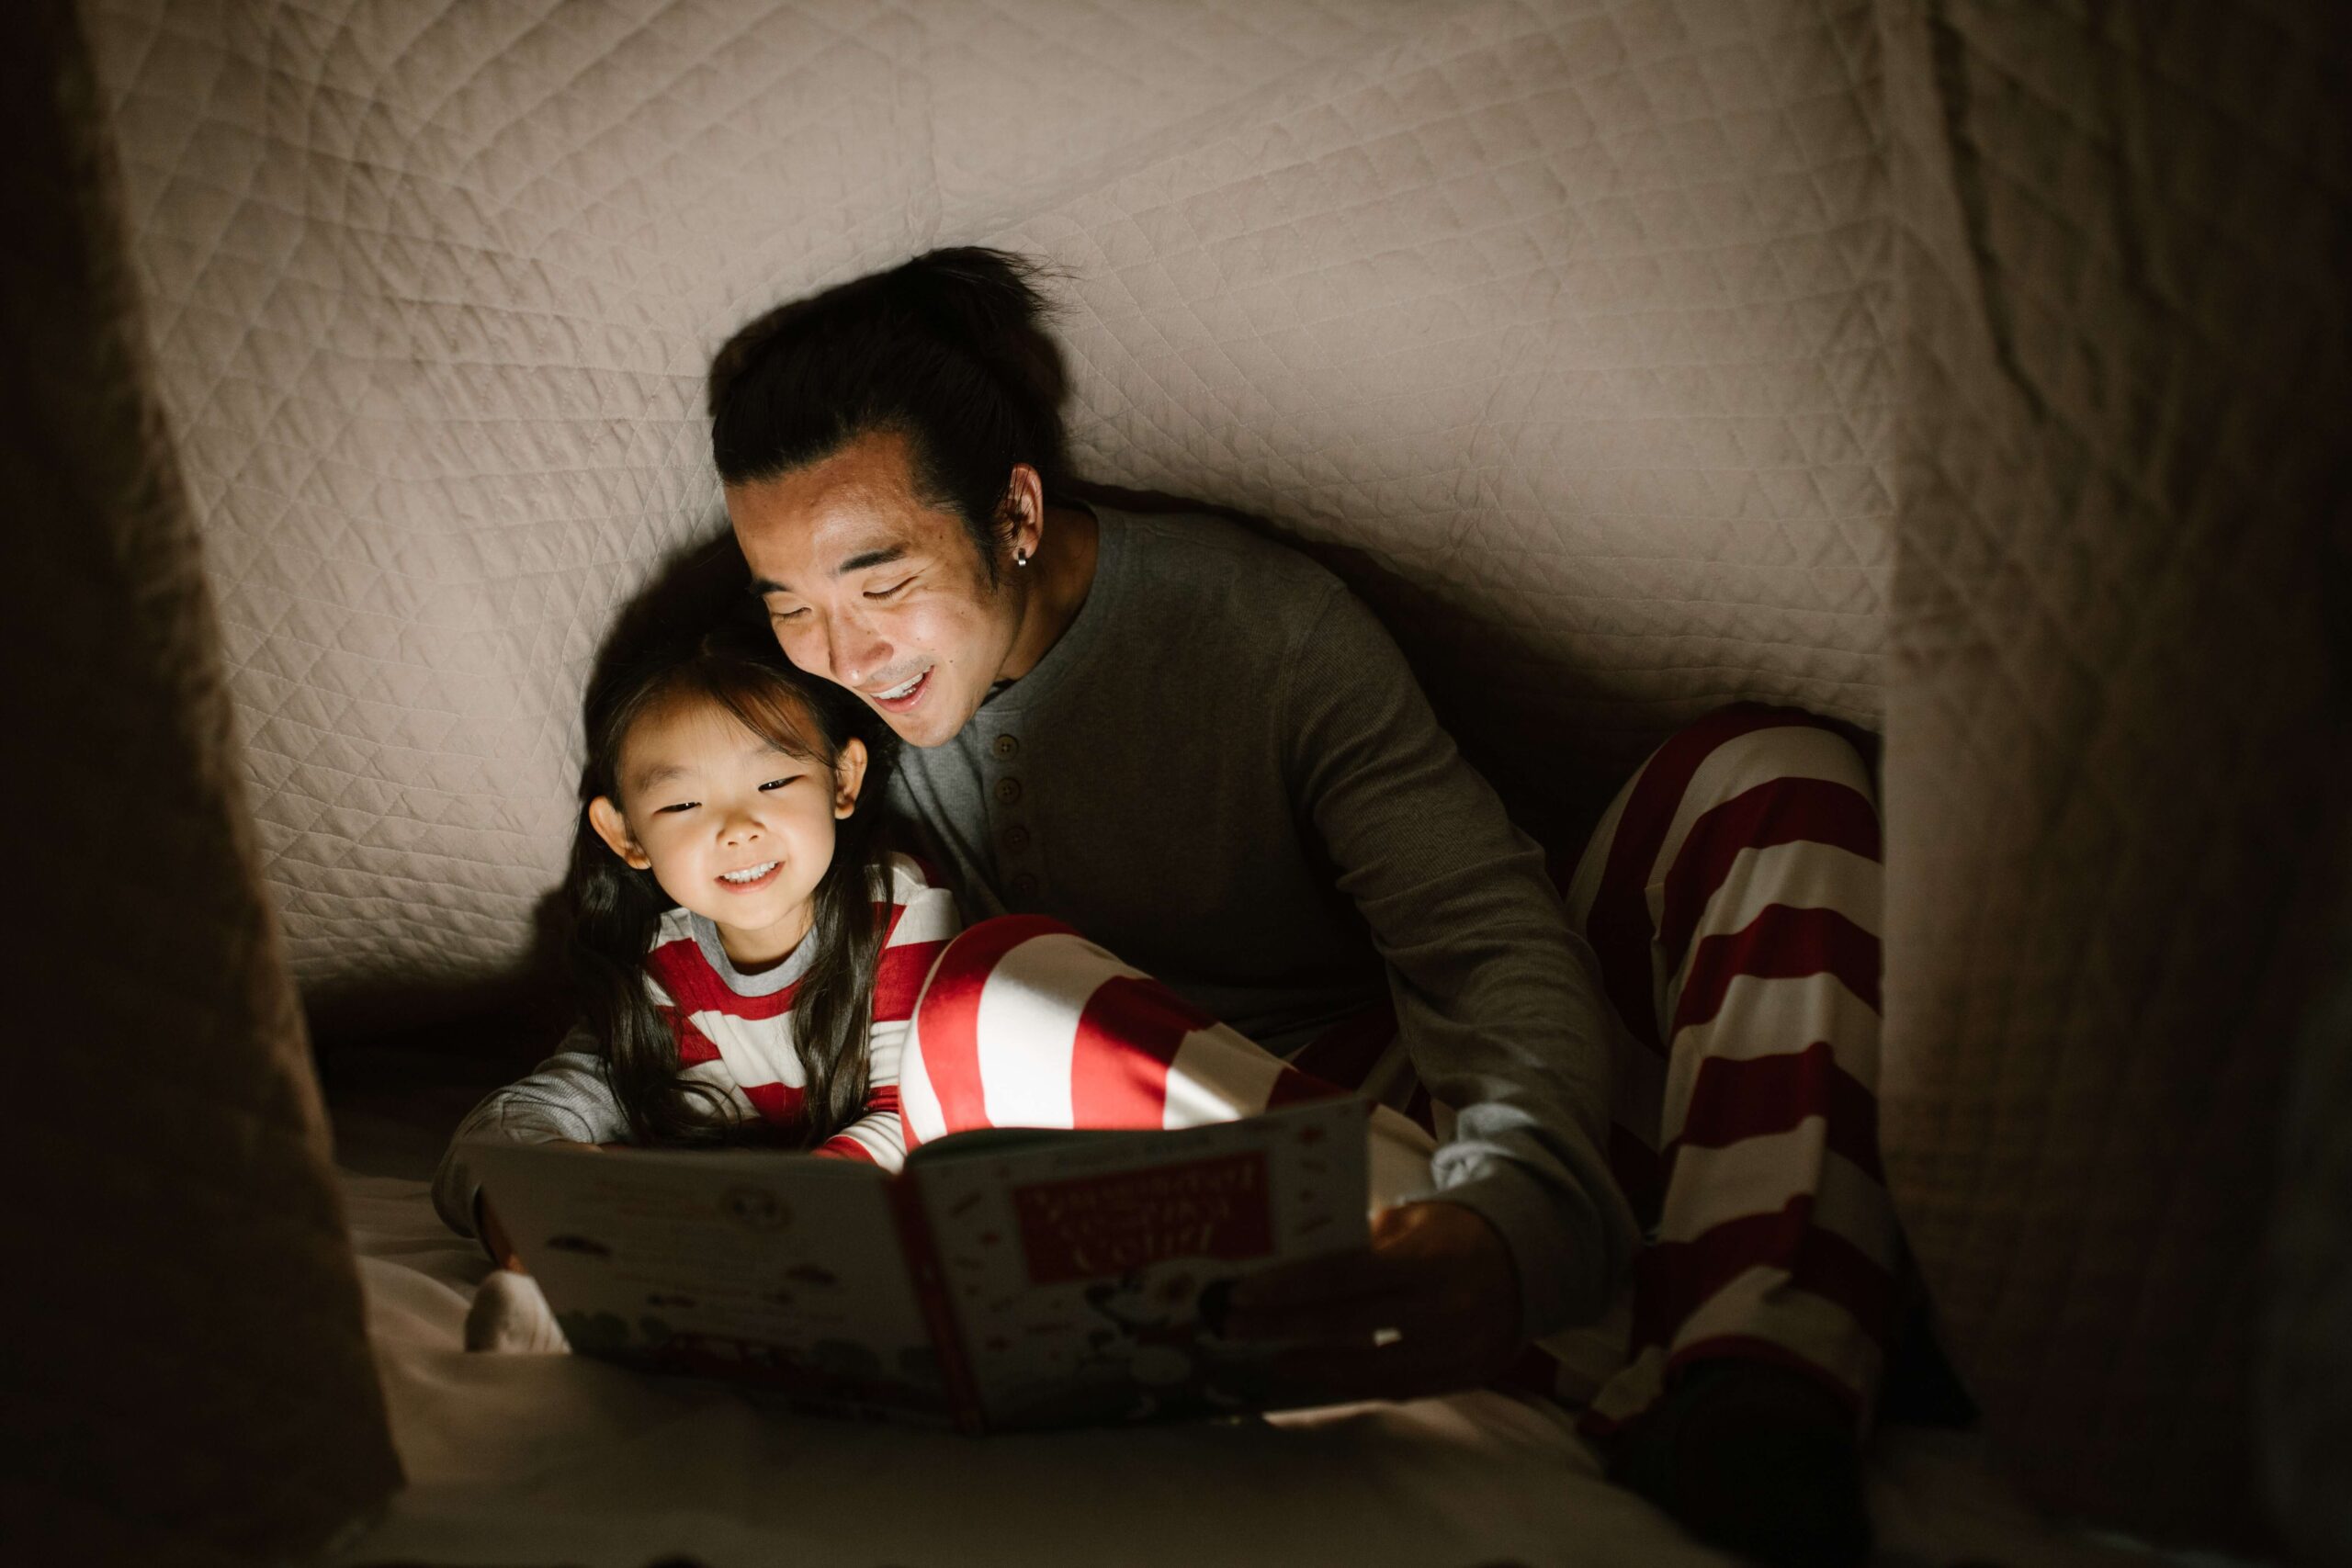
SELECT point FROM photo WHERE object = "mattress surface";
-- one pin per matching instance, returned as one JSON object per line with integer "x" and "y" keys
{"x": 558, "y": 1459}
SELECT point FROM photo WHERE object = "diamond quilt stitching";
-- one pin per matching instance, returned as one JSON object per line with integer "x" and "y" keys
{"x": 2092, "y": 953}
{"x": 1559, "y": 313}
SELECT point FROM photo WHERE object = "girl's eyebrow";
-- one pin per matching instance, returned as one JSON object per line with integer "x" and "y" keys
{"x": 654, "y": 774}
{"x": 662, "y": 772}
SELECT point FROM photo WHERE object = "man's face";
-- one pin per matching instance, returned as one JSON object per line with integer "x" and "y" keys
{"x": 873, "y": 588}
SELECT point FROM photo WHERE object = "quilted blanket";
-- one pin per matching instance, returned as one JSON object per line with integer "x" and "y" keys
{"x": 1938, "y": 364}
{"x": 1567, "y": 315}
{"x": 2117, "y": 717}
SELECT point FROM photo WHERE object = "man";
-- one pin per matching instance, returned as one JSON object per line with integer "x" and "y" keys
{"x": 1198, "y": 749}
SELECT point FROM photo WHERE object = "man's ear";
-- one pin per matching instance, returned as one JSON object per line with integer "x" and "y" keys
{"x": 1022, "y": 514}
{"x": 612, "y": 828}
{"x": 848, "y": 776}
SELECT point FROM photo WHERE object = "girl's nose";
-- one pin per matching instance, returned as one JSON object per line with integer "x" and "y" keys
{"x": 739, "y": 829}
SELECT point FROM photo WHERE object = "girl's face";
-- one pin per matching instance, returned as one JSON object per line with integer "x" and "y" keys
{"x": 731, "y": 827}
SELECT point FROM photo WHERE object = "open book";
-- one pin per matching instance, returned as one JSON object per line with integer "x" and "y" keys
{"x": 1005, "y": 1279}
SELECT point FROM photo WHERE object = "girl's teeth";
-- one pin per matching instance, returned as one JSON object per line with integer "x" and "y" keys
{"x": 752, "y": 874}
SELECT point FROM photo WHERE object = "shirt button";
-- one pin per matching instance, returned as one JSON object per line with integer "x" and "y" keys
{"x": 1007, "y": 790}
{"x": 1007, "y": 746}
{"x": 1025, "y": 885}
{"x": 1016, "y": 838}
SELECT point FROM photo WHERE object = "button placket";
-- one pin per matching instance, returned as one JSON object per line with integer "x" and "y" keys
{"x": 1016, "y": 864}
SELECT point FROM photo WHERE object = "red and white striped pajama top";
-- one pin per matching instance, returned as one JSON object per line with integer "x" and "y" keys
{"x": 734, "y": 1033}
{"x": 739, "y": 1041}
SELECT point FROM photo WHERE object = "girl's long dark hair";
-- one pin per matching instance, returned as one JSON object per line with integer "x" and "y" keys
{"x": 949, "y": 350}
{"x": 616, "y": 911}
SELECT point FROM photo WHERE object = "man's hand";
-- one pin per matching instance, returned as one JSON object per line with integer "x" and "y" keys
{"x": 1432, "y": 1306}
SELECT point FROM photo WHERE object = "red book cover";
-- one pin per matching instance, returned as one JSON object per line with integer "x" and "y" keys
{"x": 1079, "y": 1267}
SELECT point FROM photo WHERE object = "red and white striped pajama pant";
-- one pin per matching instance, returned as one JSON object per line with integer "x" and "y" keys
{"x": 1731, "y": 893}
{"x": 1025, "y": 1024}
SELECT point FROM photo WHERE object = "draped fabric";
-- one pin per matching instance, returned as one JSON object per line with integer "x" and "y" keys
{"x": 187, "y": 1378}
{"x": 2114, "y": 715}
{"x": 2303, "y": 1387}
{"x": 1964, "y": 370}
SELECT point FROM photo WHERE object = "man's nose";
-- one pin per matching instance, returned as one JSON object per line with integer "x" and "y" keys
{"x": 856, "y": 649}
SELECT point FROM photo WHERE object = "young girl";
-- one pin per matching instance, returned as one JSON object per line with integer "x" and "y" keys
{"x": 750, "y": 963}
{"x": 746, "y": 955}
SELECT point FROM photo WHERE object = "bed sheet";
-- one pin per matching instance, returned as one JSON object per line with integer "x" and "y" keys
{"x": 541, "y": 1460}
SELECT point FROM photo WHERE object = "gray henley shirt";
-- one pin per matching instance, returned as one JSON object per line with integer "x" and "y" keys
{"x": 1226, "y": 773}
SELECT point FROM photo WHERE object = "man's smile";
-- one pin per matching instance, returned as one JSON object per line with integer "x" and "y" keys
{"x": 902, "y": 697}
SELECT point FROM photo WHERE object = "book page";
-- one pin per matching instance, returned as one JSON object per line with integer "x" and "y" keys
{"x": 779, "y": 1270}
{"x": 1075, "y": 1264}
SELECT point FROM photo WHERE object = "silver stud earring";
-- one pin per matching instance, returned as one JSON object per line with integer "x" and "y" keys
{"x": 1020, "y": 558}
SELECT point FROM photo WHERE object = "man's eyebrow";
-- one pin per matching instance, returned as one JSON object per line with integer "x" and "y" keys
{"x": 882, "y": 555}
{"x": 863, "y": 559}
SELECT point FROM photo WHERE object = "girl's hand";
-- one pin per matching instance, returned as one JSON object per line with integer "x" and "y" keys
{"x": 493, "y": 1237}
{"x": 493, "y": 1234}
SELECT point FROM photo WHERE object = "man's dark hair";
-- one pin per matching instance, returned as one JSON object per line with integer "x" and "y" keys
{"x": 948, "y": 350}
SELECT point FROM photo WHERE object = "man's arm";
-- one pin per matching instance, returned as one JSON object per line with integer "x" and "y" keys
{"x": 1497, "y": 999}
